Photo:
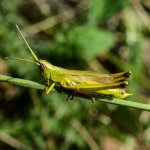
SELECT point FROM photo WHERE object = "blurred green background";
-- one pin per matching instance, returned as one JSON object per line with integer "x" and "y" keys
{"x": 98, "y": 35}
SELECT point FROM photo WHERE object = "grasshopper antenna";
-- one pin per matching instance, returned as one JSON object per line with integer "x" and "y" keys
{"x": 23, "y": 60}
{"x": 27, "y": 44}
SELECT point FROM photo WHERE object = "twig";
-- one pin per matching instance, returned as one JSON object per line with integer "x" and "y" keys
{"x": 85, "y": 134}
{"x": 54, "y": 20}
{"x": 98, "y": 97}
{"x": 126, "y": 129}
{"x": 50, "y": 142}
{"x": 43, "y": 6}
{"x": 141, "y": 13}
{"x": 12, "y": 141}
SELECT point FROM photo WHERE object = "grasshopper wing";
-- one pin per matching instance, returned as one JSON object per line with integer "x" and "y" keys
{"x": 90, "y": 77}
{"x": 95, "y": 77}
{"x": 88, "y": 84}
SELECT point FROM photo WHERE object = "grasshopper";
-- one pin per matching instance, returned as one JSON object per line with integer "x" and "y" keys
{"x": 80, "y": 81}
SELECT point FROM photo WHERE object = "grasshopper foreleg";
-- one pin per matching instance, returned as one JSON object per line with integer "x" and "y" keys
{"x": 44, "y": 88}
{"x": 47, "y": 90}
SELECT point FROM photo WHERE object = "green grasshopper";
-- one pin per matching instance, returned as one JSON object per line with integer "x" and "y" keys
{"x": 80, "y": 81}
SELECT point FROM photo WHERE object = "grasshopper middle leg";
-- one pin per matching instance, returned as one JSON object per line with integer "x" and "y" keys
{"x": 75, "y": 91}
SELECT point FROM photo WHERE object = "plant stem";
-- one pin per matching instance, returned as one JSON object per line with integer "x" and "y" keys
{"x": 98, "y": 97}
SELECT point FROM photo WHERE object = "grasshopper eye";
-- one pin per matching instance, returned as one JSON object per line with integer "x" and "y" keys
{"x": 43, "y": 66}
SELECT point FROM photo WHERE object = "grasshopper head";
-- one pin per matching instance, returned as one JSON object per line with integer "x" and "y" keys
{"x": 46, "y": 68}
{"x": 45, "y": 65}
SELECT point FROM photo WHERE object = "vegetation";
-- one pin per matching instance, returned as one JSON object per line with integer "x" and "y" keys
{"x": 103, "y": 36}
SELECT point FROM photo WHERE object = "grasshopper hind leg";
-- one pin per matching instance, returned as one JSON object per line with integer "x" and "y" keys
{"x": 92, "y": 98}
